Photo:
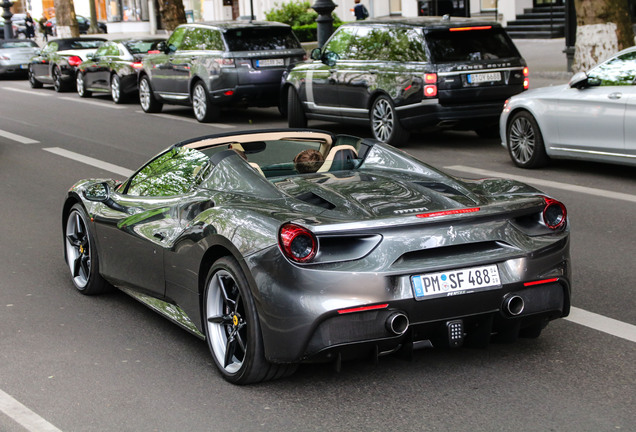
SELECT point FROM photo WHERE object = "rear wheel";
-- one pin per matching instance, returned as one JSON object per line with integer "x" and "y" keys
{"x": 147, "y": 99}
{"x": 81, "y": 255}
{"x": 58, "y": 83}
{"x": 204, "y": 111}
{"x": 81, "y": 86}
{"x": 232, "y": 327}
{"x": 385, "y": 125}
{"x": 525, "y": 142}
{"x": 115, "y": 89}
{"x": 32, "y": 80}
{"x": 295, "y": 114}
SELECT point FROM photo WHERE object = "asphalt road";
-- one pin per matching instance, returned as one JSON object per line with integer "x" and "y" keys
{"x": 75, "y": 363}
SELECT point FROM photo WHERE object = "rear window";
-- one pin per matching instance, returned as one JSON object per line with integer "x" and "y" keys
{"x": 18, "y": 44}
{"x": 79, "y": 44}
{"x": 470, "y": 45}
{"x": 141, "y": 46}
{"x": 266, "y": 38}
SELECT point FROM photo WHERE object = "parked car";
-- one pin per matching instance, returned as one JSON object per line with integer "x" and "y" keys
{"x": 83, "y": 24}
{"x": 402, "y": 75}
{"x": 57, "y": 62}
{"x": 283, "y": 246}
{"x": 19, "y": 26}
{"x": 114, "y": 67}
{"x": 14, "y": 28}
{"x": 15, "y": 55}
{"x": 219, "y": 64}
{"x": 592, "y": 118}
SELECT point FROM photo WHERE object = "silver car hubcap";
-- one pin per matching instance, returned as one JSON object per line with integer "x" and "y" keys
{"x": 199, "y": 102}
{"x": 522, "y": 140}
{"x": 78, "y": 253}
{"x": 383, "y": 120}
{"x": 80, "y": 84}
{"x": 226, "y": 325}
{"x": 114, "y": 88}
{"x": 144, "y": 94}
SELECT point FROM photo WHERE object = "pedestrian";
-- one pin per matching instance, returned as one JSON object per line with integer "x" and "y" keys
{"x": 29, "y": 25}
{"x": 44, "y": 29}
{"x": 360, "y": 11}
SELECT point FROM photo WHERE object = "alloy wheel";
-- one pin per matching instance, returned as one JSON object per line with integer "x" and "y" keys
{"x": 57, "y": 80}
{"x": 78, "y": 250}
{"x": 144, "y": 94}
{"x": 522, "y": 140}
{"x": 383, "y": 120}
{"x": 200, "y": 102}
{"x": 115, "y": 88}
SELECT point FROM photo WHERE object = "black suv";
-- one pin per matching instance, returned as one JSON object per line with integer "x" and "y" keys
{"x": 209, "y": 65}
{"x": 408, "y": 74}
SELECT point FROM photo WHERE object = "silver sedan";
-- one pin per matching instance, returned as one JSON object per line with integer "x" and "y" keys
{"x": 15, "y": 55}
{"x": 593, "y": 117}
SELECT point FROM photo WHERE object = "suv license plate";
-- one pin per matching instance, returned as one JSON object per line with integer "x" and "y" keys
{"x": 270, "y": 62}
{"x": 455, "y": 282}
{"x": 484, "y": 77}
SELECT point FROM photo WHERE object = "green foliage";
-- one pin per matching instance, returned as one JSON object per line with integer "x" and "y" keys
{"x": 295, "y": 13}
{"x": 308, "y": 33}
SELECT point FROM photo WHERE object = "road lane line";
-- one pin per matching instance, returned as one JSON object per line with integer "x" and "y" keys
{"x": 602, "y": 323}
{"x": 90, "y": 161}
{"x": 557, "y": 185}
{"x": 33, "y": 92}
{"x": 18, "y": 138}
{"x": 216, "y": 125}
{"x": 90, "y": 102}
{"x": 23, "y": 415}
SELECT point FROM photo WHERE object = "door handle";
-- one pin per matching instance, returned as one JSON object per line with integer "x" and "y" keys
{"x": 615, "y": 96}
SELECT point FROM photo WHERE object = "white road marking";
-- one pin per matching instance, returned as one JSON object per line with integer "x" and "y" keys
{"x": 189, "y": 120}
{"x": 90, "y": 102}
{"x": 23, "y": 415}
{"x": 548, "y": 183}
{"x": 18, "y": 138}
{"x": 602, "y": 323}
{"x": 32, "y": 92}
{"x": 90, "y": 161}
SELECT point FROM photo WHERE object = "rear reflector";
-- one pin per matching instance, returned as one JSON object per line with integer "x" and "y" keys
{"x": 448, "y": 212}
{"x": 363, "y": 308}
{"x": 540, "y": 282}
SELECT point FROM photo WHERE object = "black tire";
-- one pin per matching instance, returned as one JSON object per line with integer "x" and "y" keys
{"x": 32, "y": 80}
{"x": 385, "y": 124}
{"x": 232, "y": 327}
{"x": 115, "y": 90}
{"x": 81, "y": 255}
{"x": 58, "y": 83}
{"x": 147, "y": 99}
{"x": 81, "y": 86}
{"x": 295, "y": 113}
{"x": 525, "y": 142}
{"x": 204, "y": 110}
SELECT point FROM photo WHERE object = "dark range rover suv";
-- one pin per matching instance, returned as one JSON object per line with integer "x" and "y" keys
{"x": 408, "y": 74}
{"x": 214, "y": 64}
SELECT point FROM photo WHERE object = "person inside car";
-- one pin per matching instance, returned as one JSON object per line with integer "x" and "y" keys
{"x": 308, "y": 161}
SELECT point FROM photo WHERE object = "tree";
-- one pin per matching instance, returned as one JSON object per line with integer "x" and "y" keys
{"x": 65, "y": 21}
{"x": 603, "y": 28}
{"x": 172, "y": 13}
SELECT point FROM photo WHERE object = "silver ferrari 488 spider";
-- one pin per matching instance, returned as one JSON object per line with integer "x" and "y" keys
{"x": 286, "y": 246}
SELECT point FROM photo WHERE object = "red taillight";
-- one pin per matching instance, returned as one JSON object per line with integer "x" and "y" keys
{"x": 430, "y": 78}
{"x": 554, "y": 213}
{"x": 456, "y": 29}
{"x": 430, "y": 90}
{"x": 74, "y": 61}
{"x": 137, "y": 65}
{"x": 225, "y": 62}
{"x": 526, "y": 71}
{"x": 363, "y": 308}
{"x": 540, "y": 282}
{"x": 154, "y": 52}
{"x": 228, "y": 92}
{"x": 526, "y": 81}
{"x": 448, "y": 212}
{"x": 297, "y": 243}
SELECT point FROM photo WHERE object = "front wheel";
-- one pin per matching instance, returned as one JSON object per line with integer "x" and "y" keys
{"x": 81, "y": 86}
{"x": 204, "y": 111}
{"x": 295, "y": 114}
{"x": 147, "y": 99}
{"x": 232, "y": 327}
{"x": 385, "y": 124}
{"x": 32, "y": 80}
{"x": 525, "y": 142}
{"x": 81, "y": 255}
{"x": 115, "y": 89}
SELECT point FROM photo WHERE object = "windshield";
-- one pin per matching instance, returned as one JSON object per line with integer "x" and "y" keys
{"x": 79, "y": 44}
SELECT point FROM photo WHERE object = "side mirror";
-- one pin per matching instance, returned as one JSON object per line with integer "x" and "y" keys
{"x": 100, "y": 192}
{"x": 162, "y": 47}
{"x": 316, "y": 54}
{"x": 330, "y": 58}
{"x": 579, "y": 80}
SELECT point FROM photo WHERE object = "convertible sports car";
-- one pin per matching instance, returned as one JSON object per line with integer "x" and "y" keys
{"x": 287, "y": 246}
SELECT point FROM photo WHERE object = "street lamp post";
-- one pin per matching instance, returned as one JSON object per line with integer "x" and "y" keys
{"x": 6, "y": 14}
{"x": 324, "y": 20}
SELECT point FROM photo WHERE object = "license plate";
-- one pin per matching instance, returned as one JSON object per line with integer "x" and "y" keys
{"x": 270, "y": 62}
{"x": 484, "y": 77}
{"x": 455, "y": 282}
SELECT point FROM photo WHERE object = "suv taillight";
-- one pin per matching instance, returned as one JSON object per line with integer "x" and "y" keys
{"x": 225, "y": 62}
{"x": 430, "y": 85}
{"x": 526, "y": 80}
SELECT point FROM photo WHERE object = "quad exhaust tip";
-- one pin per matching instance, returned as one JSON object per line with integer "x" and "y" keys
{"x": 397, "y": 323}
{"x": 513, "y": 305}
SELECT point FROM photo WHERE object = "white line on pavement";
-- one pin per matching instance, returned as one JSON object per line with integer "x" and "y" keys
{"x": 553, "y": 184}
{"x": 90, "y": 102}
{"x": 33, "y": 92}
{"x": 18, "y": 138}
{"x": 602, "y": 323}
{"x": 23, "y": 415}
{"x": 189, "y": 120}
{"x": 90, "y": 161}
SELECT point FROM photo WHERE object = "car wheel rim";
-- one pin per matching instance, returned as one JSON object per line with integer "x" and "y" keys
{"x": 78, "y": 252}
{"x": 522, "y": 140}
{"x": 226, "y": 325}
{"x": 383, "y": 120}
{"x": 199, "y": 102}
{"x": 144, "y": 94}
{"x": 31, "y": 76}
{"x": 80, "y": 84}
{"x": 56, "y": 80}
{"x": 114, "y": 88}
